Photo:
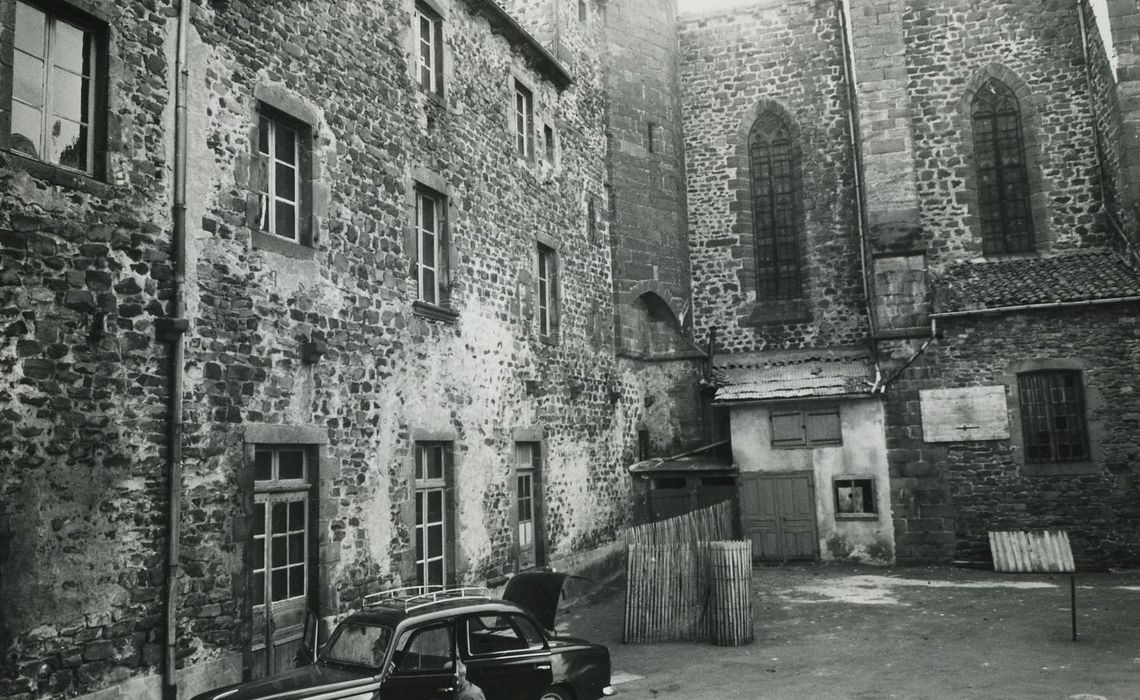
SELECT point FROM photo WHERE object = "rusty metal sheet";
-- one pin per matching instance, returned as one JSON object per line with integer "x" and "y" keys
{"x": 1032, "y": 551}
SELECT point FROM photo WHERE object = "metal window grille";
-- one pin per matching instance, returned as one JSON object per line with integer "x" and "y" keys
{"x": 776, "y": 196}
{"x": 279, "y": 144}
{"x": 53, "y": 89}
{"x": 1003, "y": 181}
{"x": 1053, "y": 416}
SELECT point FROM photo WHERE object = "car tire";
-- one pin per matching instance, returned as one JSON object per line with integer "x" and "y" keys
{"x": 555, "y": 692}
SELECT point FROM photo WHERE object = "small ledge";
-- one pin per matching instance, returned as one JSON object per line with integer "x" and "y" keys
{"x": 282, "y": 246}
{"x": 856, "y": 516}
{"x": 61, "y": 176}
{"x": 902, "y": 333}
{"x": 551, "y": 340}
{"x": 433, "y": 312}
{"x": 1061, "y": 469}
{"x": 775, "y": 312}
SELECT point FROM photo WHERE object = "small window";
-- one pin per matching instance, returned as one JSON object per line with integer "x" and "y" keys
{"x": 56, "y": 71}
{"x": 524, "y": 121}
{"x": 426, "y": 650}
{"x": 429, "y": 43}
{"x": 592, "y": 218}
{"x": 583, "y": 14}
{"x": 854, "y": 498}
{"x": 548, "y": 142}
{"x": 1053, "y": 417}
{"x": 282, "y": 144}
{"x": 547, "y": 291}
{"x": 652, "y": 137}
{"x": 806, "y": 427}
{"x": 492, "y": 634}
{"x": 431, "y": 234}
{"x": 642, "y": 444}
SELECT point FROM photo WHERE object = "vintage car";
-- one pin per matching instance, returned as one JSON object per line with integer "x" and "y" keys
{"x": 404, "y": 645}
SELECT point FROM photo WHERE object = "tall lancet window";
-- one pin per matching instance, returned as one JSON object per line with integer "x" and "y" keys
{"x": 776, "y": 202}
{"x": 1003, "y": 182}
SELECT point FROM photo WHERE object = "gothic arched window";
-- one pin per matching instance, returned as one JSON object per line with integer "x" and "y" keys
{"x": 776, "y": 195}
{"x": 1003, "y": 183}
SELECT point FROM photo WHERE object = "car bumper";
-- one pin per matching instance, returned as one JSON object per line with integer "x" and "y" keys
{"x": 608, "y": 691}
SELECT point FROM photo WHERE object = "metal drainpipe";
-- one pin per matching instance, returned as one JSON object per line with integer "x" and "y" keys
{"x": 174, "y": 524}
{"x": 857, "y": 176}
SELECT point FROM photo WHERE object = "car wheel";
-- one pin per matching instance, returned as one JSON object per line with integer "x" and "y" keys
{"x": 555, "y": 692}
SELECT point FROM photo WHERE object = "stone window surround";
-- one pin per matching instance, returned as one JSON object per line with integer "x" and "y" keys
{"x": 421, "y": 178}
{"x": 313, "y": 193}
{"x": 761, "y": 311}
{"x": 554, "y": 285}
{"x": 96, "y": 19}
{"x": 962, "y": 121}
{"x": 1094, "y": 404}
{"x": 316, "y": 440}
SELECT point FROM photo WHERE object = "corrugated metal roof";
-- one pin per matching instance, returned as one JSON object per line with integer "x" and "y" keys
{"x": 1032, "y": 551}
{"x": 794, "y": 374}
{"x": 1069, "y": 278}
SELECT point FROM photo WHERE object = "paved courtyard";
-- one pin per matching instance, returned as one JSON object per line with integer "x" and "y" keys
{"x": 836, "y": 631}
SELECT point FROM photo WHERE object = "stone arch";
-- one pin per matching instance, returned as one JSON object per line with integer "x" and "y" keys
{"x": 1030, "y": 115}
{"x": 767, "y": 111}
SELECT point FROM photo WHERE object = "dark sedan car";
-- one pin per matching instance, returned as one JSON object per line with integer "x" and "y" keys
{"x": 404, "y": 646}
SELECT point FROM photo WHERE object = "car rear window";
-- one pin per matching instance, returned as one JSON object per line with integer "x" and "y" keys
{"x": 358, "y": 643}
{"x": 490, "y": 634}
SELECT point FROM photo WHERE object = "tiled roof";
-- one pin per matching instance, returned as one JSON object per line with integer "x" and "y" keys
{"x": 794, "y": 375}
{"x": 1076, "y": 277}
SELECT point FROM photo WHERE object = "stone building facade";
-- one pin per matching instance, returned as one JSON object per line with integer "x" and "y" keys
{"x": 395, "y": 291}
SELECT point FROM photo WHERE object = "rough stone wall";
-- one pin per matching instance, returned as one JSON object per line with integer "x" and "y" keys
{"x": 85, "y": 270}
{"x": 787, "y": 54}
{"x": 946, "y": 496}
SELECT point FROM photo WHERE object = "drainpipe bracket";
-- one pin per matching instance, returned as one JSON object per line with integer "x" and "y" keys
{"x": 169, "y": 330}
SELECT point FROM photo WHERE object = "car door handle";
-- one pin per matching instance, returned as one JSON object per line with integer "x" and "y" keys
{"x": 542, "y": 667}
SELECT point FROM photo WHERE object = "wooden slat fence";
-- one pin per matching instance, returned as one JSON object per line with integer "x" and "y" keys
{"x": 670, "y": 594}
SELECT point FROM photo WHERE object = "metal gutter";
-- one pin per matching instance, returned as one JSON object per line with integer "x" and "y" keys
{"x": 1034, "y": 307}
{"x": 509, "y": 26}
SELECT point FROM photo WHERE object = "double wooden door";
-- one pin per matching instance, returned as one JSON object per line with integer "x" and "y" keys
{"x": 778, "y": 513}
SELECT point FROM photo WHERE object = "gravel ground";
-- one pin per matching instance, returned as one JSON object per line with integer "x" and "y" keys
{"x": 838, "y": 631}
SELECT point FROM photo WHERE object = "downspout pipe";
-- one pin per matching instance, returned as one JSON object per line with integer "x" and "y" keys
{"x": 857, "y": 177}
{"x": 173, "y": 331}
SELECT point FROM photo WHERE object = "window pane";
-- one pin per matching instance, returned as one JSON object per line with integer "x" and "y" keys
{"x": 67, "y": 96}
{"x": 296, "y": 516}
{"x": 427, "y": 250}
{"x": 279, "y": 521}
{"x": 280, "y": 552}
{"x": 30, "y": 24}
{"x": 26, "y": 126}
{"x": 296, "y": 581}
{"x": 67, "y": 51}
{"x": 435, "y": 506}
{"x": 435, "y": 541}
{"x": 280, "y": 584}
{"x": 28, "y": 79}
{"x": 286, "y": 214}
{"x": 259, "y": 553}
{"x": 435, "y": 463}
{"x": 290, "y": 464}
{"x": 262, "y": 465}
{"x": 286, "y": 144}
{"x": 297, "y": 548}
{"x": 284, "y": 182}
{"x": 69, "y": 144}
{"x": 435, "y": 572}
{"x": 427, "y": 213}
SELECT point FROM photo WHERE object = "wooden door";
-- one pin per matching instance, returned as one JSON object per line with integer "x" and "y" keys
{"x": 778, "y": 512}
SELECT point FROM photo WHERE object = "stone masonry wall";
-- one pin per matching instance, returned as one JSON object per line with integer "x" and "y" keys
{"x": 789, "y": 55}
{"x": 85, "y": 271}
{"x": 947, "y": 495}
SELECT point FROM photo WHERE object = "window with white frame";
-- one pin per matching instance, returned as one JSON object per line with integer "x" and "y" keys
{"x": 429, "y": 45}
{"x": 281, "y": 528}
{"x": 547, "y": 290}
{"x": 524, "y": 121}
{"x": 280, "y": 144}
{"x": 528, "y": 459}
{"x": 55, "y": 85}
{"x": 431, "y": 208}
{"x": 431, "y": 526}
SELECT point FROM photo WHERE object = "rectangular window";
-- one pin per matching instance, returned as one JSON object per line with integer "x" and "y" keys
{"x": 524, "y": 121}
{"x": 429, "y": 35}
{"x": 432, "y": 527}
{"x": 806, "y": 427}
{"x": 854, "y": 498}
{"x": 548, "y": 142}
{"x": 652, "y": 137}
{"x": 279, "y": 145}
{"x": 1053, "y": 417}
{"x": 280, "y": 524}
{"x": 528, "y": 479}
{"x": 547, "y": 290}
{"x": 430, "y": 231}
{"x": 54, "y": 82}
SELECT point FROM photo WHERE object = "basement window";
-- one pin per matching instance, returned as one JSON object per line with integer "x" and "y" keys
{"x": 855, "y": 499}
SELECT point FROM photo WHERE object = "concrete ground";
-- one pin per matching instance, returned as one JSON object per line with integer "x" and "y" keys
{"x": 839, "y": 631}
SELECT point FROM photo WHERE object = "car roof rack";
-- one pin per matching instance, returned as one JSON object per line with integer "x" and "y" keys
{"x": 409, "y": 598}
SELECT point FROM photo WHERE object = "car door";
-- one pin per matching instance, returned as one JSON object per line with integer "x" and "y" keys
{"x": 506, "y": 655}
{"x": 423, "y": 664}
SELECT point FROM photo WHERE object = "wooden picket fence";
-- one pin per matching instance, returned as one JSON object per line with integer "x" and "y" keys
{"x": 680, "y": 586}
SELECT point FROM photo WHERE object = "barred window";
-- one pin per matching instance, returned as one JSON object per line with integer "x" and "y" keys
{"x": 1053, "y": 416}
{"x": 1003, "y": 182}
{"x": 776, "y": 196}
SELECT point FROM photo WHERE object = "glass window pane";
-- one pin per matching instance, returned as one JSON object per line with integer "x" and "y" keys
{"x": 28, "y": 79}
{"x": 297, "y": 516}
{"x": 420, "y": 495}
{"x": 285, "y": 182}
{"x": 280, "y": 584}
{"x": 280, "y": 553}
{"x": 427, "y": 213}
{"x": 286, "y": 146}
{"x": 67, "y": 50}
{"x": 286, "y": 219}
{"x": 296, "y": 581}
{"x": 27, "y": 124}
{"x": 419, "y": 544}
{"x": 435, "y": 572}
{"x": 68, "y": 144}
{"x": 290, "y": 464}
{"x": 435, "y": 541}
{"x": 297, "y": 548}
{"x": 30, "y": 25}
{"x": 427, "y": 249}
{"x": 279, "y": 521}
{"x": 427, "y": 293}
{"x": 435, "y": 506}
{"x": 435, "y": 463}
{"x": 262, "y": 465}
{"x": 259, "y": 553}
